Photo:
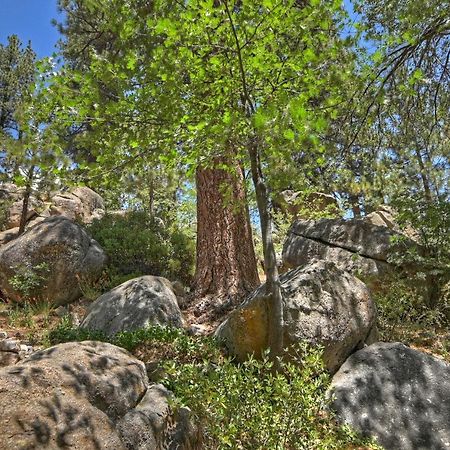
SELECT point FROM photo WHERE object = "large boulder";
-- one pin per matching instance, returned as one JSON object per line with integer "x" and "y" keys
{"x": 396, "y": 394}
{"x": 81, "y": 203}
{"x": 70, "y": 395}
{"x": 55, "y": 254}
{"x": 135, "y": 304}
{"x": 356, "y": 245}
{"x": 322, "y": 305}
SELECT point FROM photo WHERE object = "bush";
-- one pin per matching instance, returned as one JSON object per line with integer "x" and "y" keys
{"x": 430, "y": 222}
{"x": 30, "y": 280}
{"x": 400, "y": 303}
{"x": 139, "y": 245}
{"x": 239, "y": 406}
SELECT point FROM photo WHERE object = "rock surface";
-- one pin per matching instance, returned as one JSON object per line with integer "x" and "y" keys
{"x": 137, "y": 303}
{"x": 399, "y": 395}
{"x": 322, "y": 305}
{"x": 297, "y": 204}
{"x": 70, "y": 395}
{"x": 356, "y": 245}
{"x": 82, "y": 204}
{"x": 150, "y": 425}
{"x": 68, "y": 252}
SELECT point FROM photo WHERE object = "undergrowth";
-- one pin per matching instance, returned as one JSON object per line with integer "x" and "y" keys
{"x": 237, "y": 406}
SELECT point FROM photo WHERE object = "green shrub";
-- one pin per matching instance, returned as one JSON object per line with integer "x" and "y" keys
{"x": 400, "y": 303}
{"x": 139, "y": 245}
{"x": 28, "y": 281}
{"x": 238, "y": 406}
{"x": 430, "y": 222}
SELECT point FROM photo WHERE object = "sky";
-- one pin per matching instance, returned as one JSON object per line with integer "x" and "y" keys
{"x": 31, "y": 21}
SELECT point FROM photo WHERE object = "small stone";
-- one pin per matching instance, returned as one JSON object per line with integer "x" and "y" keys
{"x": 61, "y": 311}
{"x": 198, "y": 330}
{"x": 3, "y": 335}
{"x": 8, "y": 358}
{"x": 26, "y": 349}
{"x": 9, "y": 345}
{"x": 178, "y": 288}
{"x": 154, "y": 371}
{"x": 75, "y": 319}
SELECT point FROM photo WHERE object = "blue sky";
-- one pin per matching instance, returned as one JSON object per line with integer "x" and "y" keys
{"x": 30, "y": 20}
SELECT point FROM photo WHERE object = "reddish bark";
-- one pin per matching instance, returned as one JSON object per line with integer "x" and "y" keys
{"x": 226, "y": 263}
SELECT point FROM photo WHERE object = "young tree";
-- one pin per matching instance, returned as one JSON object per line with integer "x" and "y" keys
{"x": 201, "y": 74}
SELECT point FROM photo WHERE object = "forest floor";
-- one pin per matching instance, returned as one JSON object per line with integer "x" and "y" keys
{"x": 31, "y": 325}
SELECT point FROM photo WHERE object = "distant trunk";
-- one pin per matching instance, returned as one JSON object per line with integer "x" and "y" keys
{"x": 26, "y": 200}
{"x": 226, "y": 263}
{"x": 424, "y": 176}
{"x": 273, "y": 286}
{"x": 356, "y": 207}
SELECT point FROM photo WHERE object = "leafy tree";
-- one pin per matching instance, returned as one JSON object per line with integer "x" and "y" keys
{"x": 24, "y": 158}
{"x": 17, "y": 70}
{"x": 210, "y": 73}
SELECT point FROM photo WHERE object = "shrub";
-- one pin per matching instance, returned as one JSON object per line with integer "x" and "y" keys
{"x": 29, "y": 280}
{"x": 430, "y": 222}
{"x": 239, "y": 406}
{"x": 400, "y": 303}
{"x": 140, "y": 245}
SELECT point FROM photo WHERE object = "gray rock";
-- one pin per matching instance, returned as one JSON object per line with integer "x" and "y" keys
{"x": 296, "y": 203}
{"x": 322, "y": 305}
{"x": 8, "y": 235}
{"x": 68, "y": 251}
{"x": 198, "y": 329}
{"x": 10, "y": 345}
{"x": 135, "y": 304}
{"x": 69, "y": 396}
{"x": 356, "y": 245}
{"x": 152, "y": 425}
{"x": 399, "y": 395}
{"x": 82, "y": 204}
{"x": 3, "y": 334}
{"x": 61, "y": 311}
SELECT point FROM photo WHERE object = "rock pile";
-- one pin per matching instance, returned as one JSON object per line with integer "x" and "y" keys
{"x": 87, "y": 395}
{"x": 12, "y": 351}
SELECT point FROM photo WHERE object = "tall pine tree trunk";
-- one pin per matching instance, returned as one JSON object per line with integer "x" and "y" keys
{"x": 226, "y": 264}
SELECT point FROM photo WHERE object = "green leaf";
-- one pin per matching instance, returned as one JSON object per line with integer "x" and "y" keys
{"x": 289, "y": 134}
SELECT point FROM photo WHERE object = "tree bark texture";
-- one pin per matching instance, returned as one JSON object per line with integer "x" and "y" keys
{"x": 226, "y": 263}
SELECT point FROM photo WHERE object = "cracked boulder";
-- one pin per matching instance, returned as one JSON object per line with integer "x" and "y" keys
{"x": 48, "y": 262}
{"x": 323, "y": 305}
{"x": 135, "y": 304}
{"x": 356, "y": 245}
